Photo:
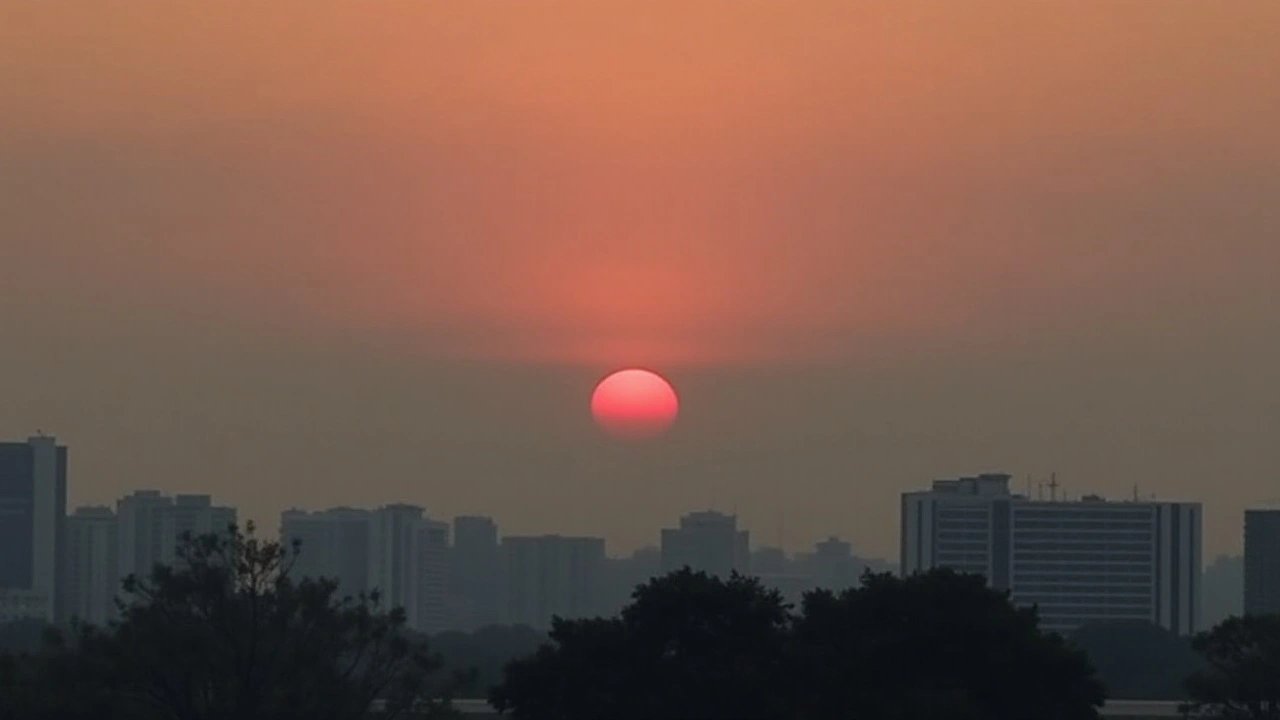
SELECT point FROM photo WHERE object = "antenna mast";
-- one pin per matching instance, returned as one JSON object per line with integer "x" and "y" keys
{"x": 1053, "y": 487}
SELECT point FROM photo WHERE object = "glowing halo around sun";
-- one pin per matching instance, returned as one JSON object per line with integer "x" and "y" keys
{"x": 634, "y": 404}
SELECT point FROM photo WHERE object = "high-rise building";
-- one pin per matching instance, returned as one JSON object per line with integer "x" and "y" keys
{"x": 475, "y": 567}
{"x": 193, "y": 516}
{"x": 141, "y": 532}
{"x": 833, "y": 565}
{"x": 91, "y": 569}
{"x": 708, "y": 542}
{"x": 391, "y": 543}
{"x": 33, "y": 508}
{"x": 152, "y": 526}
{"x": 428, "y": 606}
{"x": 334, "y": 544}
{"x": 1078, "y": 561}
{"x": 1261, "y": 562}
{"x": 620, "y": 577}
{"x": 551, "y": 575}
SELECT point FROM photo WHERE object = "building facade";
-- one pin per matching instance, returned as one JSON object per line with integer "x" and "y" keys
{"x": 333, "y": 544}
{"x": 33, "y": 508}
{"x": 428, "y": 608}
{"x": 151, "y": 527}
{"x": 92, "y": 570}
{"x": 191, "y": 515}
{"x": 476, "y": 587}
{"x": 551, "y": 575}
{"x": 391, "y": 562}
{"x": 140, "y": 536}
{"x": 1077, "y": 561}
{"x": 1261, "y": 562}
{"x": 707, "y": 542}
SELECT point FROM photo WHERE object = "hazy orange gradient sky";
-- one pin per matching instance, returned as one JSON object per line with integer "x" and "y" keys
{"x": 318, "y": 253}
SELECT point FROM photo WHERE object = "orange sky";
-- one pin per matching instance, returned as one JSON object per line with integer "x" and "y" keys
{"x": 1064, "y": 212}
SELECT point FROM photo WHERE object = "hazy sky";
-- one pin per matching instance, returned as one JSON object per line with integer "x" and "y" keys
{"x": 317, "y": 253}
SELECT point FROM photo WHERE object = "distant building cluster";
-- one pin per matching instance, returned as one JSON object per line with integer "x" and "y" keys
{"x": 1078, "y": 561}
{"x": 55, "y": 566}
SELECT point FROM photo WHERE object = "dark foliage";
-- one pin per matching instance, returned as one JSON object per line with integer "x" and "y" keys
{"x": 1242, "y": 677}
{"x": 22, "y": 636}
{"x": 227, "y": 633}
{"x": 938, "y": 645}
{"x": 935, "y": 645}
{"x": 1138, "y": 660}
{"x": 480, "y": 656}
{"x": 689, "y": 646}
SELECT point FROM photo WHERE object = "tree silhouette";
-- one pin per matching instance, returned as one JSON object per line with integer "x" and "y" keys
{"x": 689, "y": 646}
{"x": 1137, "y": 660}
{"x": 225, "y": 632}
{"x": 1242, "y": 680}
{"x": 938, "y": 645}
{"x": 935, "y": 645}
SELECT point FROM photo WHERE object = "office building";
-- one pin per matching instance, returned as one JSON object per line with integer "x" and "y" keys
{"x": 1078, "y": 561}
{"x": 33, "y": 508}
{"x": 707, "y": 542}
{"x": 1261, "y": 562}
{"x": 551, "y": 575}
{"x": 333, "y": 544}
{"x": 91, "y": 565}
{"x": 475, "y": 585}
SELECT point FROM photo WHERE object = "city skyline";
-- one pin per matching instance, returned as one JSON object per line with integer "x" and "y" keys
{"x": 466, "y": 571}
{"x": 773, "y": 531}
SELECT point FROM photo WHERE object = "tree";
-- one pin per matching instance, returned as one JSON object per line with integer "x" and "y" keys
{"x": 689, "y": 646}
{"x": 486, "y": 652}
{"x": 934, "y": 645}
{"x": 226, "y": 632}
{"x": 1137, "y": 660}
{"x": 1242, "y": 680}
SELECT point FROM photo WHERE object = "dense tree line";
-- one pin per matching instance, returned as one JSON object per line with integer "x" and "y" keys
{"x": 931, "y": 646}
{"x": 227, "y": 632}
{"x": 937, "y": 645}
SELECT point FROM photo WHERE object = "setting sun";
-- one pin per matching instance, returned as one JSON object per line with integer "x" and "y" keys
{"x": 634, "y": 404}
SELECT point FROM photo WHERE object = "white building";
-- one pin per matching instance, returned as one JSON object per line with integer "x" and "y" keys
{"x": 707, "y": 542}
{"x": 33, "y": 508}
{"x": 1078, "y": 561}
{"x": 92, "y": 576}
{"x": 551, "y": 575}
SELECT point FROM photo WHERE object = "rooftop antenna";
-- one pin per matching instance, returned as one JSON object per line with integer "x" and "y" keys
{"x": 1135, "y": 492}
{"x": 1039, "y": 491}
{"x": 1053, "y": 487}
